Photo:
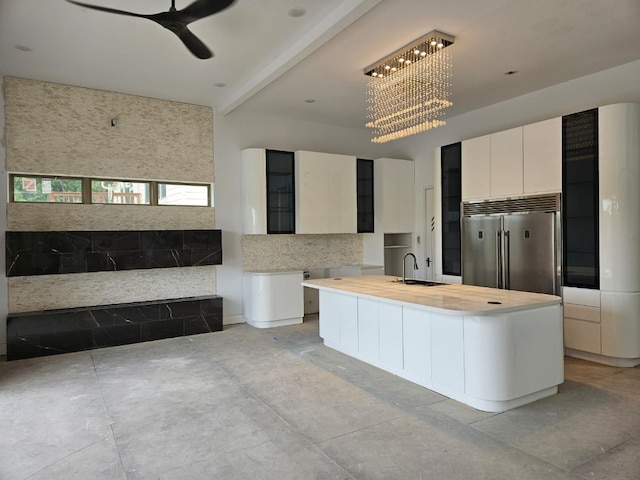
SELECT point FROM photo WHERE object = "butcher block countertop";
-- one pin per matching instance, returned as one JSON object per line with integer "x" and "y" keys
{"x": 451, "y": 299}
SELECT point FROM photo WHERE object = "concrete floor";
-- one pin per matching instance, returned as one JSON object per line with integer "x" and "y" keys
{"x": 277, "y": 404}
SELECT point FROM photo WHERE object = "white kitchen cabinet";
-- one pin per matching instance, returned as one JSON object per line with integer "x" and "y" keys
{"x": 254, "y": 190}
{"x": 325, "y": 190}
{"x": 476, "y": 168}
{"x": 447, "y": 352}
{"x": 380, "y": 333}
{"x": 582, "y": 330}
{"x": 506, "y": 163}
{"x": 619, "y": 223}
{"x": 342, "y": 317}
{"x": 390, "y": 319}
{"x": 267, "y": 191}
{"x": 272, "y": 298}
{"x": 519, "y": 161}
{"x": 368, "y": 329}
{"x": 619, "y": 197}
{"x": 416, "y": 333}
{"x": 542, "y": 148}
{"x": 394, "y": 195}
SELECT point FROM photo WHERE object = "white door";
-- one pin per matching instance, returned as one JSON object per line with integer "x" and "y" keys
{"x": 430, "y": 223}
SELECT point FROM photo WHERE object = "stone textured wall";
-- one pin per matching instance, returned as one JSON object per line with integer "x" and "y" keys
{"x": 43, "y": 217}
{"x": 66, "y": 130}
{"x": 47, "y": 292}
{"x": 264, "y": 252}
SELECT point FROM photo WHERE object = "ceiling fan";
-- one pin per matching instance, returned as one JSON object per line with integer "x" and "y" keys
{"x": 177, "y": 20}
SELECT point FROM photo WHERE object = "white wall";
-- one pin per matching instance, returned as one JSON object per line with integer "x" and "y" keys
{"x": 620, "y": 84}
{"x": 237, "y": 131}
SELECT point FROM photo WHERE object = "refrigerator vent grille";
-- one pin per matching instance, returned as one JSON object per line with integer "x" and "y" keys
{"x": 542, "y": 203}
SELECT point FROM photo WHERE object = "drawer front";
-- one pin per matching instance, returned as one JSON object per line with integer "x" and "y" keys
{"x": 581, "y": 312}
{"x": 581, "y": 296}
{"x": 581, "y": 335}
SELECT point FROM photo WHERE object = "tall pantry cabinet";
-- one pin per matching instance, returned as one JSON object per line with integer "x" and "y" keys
{"x": 603, "y": 324}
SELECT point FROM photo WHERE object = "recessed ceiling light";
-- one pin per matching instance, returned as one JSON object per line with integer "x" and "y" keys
{"x": 511, "y": 72}
{"x": 23, "y": 48}
{"x": 296, "y": 12}
{"x": 220, "y": 84}
{"x": 310, "y": 100}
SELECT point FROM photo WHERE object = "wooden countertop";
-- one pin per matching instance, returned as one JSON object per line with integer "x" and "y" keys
{"x": 451, "y": 299}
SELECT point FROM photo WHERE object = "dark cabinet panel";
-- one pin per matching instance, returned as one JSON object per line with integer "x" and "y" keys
{"x": 365, "y": 195}
{"x": 280, "y": 192}
{"x": 451, "y": 161}
{"x": 580, "y": 200}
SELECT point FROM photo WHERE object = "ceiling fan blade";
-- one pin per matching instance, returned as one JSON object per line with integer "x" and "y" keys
{"x": 108, "y": 10}
{"x": 202, "y": 8}
{"x": 193, "y": 43}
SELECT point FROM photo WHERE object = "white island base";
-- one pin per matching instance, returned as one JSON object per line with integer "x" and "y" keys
{"x": 490, "y": 357}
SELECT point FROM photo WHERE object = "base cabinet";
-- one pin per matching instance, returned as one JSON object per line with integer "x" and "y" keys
{"x": 492, "y": 363}
{"x": 582, "y": 319}
{"x": 416, "y": 333}
{"x": 339, "y": 309}
{"x": 447, "y": 352}
{"x": 272, "y": 299}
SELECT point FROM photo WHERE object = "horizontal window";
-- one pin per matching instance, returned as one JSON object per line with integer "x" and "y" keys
{"x": 56, "y": 189}
{"x": 183, "y": 194}
{"x": 46, "y": 189}
{"x": 117, "y": 191}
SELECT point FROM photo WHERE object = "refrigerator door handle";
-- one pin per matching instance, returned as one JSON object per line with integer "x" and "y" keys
{"x": 507, "y": 262}
{"x": 499, "y": 259}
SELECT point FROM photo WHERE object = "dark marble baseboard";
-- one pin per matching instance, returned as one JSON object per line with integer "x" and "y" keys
{"x": 37, "y": 334}
{"x": 50, "y": 253}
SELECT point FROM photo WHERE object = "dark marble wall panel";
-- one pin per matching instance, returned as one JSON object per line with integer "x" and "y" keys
{"x": 46, "y": 253}
{"x": 51, "y": 332}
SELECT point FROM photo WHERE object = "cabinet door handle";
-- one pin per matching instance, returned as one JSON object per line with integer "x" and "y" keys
{"x": 499, "y": 259}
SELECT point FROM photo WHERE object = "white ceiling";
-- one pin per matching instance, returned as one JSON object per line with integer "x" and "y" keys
{"x": 271, "y": 63}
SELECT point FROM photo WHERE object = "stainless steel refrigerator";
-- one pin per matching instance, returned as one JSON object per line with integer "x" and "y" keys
{"x": 512, "y": 244}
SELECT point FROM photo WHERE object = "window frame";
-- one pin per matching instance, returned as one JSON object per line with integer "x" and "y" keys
{"x": 119, "y": 180}
{"x": 86, "y": 197}
{"x": 12, "y": 177}
{"x": 156, "y": 192}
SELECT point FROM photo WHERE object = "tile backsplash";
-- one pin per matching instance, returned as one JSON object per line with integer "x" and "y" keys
{"x": 266, "y": 252}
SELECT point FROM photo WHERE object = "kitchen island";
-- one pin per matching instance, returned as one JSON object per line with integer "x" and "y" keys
{"x": 488, "y": 348}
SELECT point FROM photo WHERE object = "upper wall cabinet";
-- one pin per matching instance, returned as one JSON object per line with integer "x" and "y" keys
{"x": 519, "y": 161}
{"x": 476, "y": 168}
{"x": 506, "y": 163}
{"x": 254, "y": 191}
{"x": 267, "y": 191}
{"x": 325, "y": 191}
{"x": 395, "y": 190}
{"x": 542, "y": 143}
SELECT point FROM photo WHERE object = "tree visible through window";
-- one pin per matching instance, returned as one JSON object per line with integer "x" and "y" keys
{"x": 47, "y": 189}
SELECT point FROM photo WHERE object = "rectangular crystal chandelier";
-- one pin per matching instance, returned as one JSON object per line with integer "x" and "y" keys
{"x": 409, "y": 90}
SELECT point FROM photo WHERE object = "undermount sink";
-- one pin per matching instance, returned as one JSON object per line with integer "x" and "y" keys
{"x": 424, "y": 283}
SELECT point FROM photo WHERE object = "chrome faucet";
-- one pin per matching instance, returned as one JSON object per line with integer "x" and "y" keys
{"x": 404, "y": 261}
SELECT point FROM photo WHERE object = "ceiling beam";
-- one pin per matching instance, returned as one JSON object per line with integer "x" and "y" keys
{"x": 344, "y": 15}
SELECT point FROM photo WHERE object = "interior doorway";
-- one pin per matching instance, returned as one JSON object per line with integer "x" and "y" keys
{"x": 430, "y": 224}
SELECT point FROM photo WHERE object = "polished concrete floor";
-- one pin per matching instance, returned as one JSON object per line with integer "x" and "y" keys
{"x": 277, "y": 404}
